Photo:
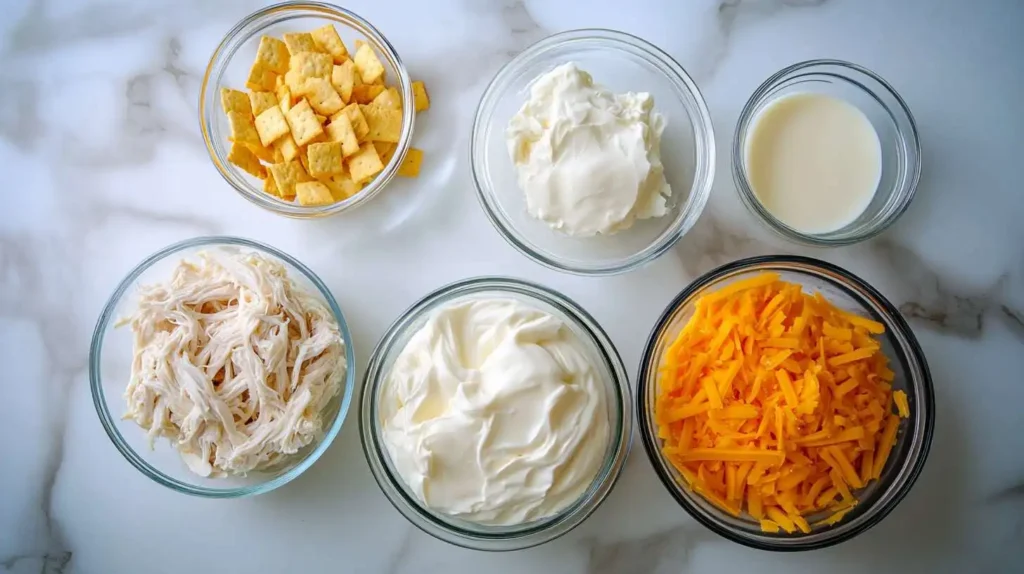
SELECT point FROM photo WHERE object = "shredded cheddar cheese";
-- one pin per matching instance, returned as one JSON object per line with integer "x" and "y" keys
{"x": 777, "y": 403}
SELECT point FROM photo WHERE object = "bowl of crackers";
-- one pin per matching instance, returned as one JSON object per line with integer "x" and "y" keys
{"x": 307, "y": 110}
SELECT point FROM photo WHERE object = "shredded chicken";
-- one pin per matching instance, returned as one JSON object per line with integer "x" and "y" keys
{"x": 233, "y": 363}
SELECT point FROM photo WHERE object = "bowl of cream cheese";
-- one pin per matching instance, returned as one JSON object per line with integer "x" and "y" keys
{"x": 221, "y": 367}
{"x": 495, "y": 414}
{"x": 592, "y": 152}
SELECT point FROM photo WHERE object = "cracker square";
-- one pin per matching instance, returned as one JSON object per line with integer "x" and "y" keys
{"x": 411, "y": 164}
{"x": 343, "y": 78}
{"x": 355, "y": 117}
{"x": 389, "y": 98}
{"x": 260, "y": 101}
{"x": 321, "y": 96}
{"x": 342, "y": 187}
{"x": 384, "y": 125}
{"x": 243, "y": 129}
{"x": 294, "y": 80}
{"x": 304, "y": 158}
{"x": 327, "y": 40}
{"x": 321, "y": 119}
{"x": 313, "y": 193}
{"x": 287, "y": 175}
{"x": 271, "y": 125}
{"x": 278, "y": 82}
{"x": 325, "y": 159}
{"x": 365, "y": 93}
{"x": 273, "y": 53}
{"x": 287, "y": 147}
{"x": 311, "y": 65}
{"x": 299, "y": 42}
{"x": 340, "y": 130}
{"x": 270, "y": 186}
{"x": 419, "y": 96}
{"x": 245, "y": 159}
{"x": 369, "y": 66}
{"x": 264, "y": 153}
{"x": 303, "y": 123}
{"x": 234, "y": 101}
{"x": 386, "y": 150}
{"x": 364, "y": 164}
{"x": 285, "y": 97}
{"x": 261, "y": 78}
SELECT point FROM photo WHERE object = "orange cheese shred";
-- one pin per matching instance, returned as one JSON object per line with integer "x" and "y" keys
{"x": 776, "y": 403}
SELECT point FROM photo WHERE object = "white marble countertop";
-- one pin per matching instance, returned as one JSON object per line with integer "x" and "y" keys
{"x": 103, "y": 164}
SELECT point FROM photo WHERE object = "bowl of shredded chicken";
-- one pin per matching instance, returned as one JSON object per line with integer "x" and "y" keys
{"x": 237, "y": 357}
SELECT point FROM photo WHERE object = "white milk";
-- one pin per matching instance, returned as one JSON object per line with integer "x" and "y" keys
{"x": 814, "y": 161}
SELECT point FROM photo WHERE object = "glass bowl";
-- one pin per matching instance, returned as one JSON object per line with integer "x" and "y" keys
{"x": 229, "y": 67}
{"x": 907, "y": 360}
{"x": 110, "y": 359}
{"x": 470, "y": 534}
{"x": 622, "y": 63}
{"x": 888, "y": 114}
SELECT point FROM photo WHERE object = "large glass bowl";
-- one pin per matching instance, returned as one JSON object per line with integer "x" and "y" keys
{"x": 622, "y": 63}
{"x": 468, "y": 534}
{"x": 906, "y": 358}
{"x": 110, "y": 359}
{"x": 229, "y": 66}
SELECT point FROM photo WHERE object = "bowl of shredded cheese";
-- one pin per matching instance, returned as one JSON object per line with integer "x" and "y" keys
{"x": 785, "y": 403}
{"x": 221, "y": 367}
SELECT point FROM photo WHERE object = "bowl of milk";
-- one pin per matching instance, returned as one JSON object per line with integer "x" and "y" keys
{"x": 826, "y": 153}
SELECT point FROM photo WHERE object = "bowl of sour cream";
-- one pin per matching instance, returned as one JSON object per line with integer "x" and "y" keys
{"x": 592, "y": 152}
{"x": 826, "y": 153}
{"x": 495, "y": 414}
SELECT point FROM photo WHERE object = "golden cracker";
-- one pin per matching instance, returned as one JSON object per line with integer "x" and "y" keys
{"x": 340, "y": 130}
{"x": 327, "y": 40}
{"x": 287, "y": 175}
{"x": 369, "y": 66}
{"x": 243, "y": 129}
{"x": 365, "y": 93}
{"x": 384, "y": 124}
{"x": 271, "y": 124}
{"x": 234, "y": 101}
{"x": 419, "y": 96}
{"x": 343, "y": 79}
{"x": 411, "y": 164}
{"x": 273, "y": 53}
{"x": 325, "y": 159}
{"x": 260, "y": 101}
{"x": 299, "y": 42}
{"x": 321, "y": 96}
{"x": 364, "y": 164}
{"x": 245, "y": 159}
{"x": 303, "y": 123}
{"x": 313, "y": 193}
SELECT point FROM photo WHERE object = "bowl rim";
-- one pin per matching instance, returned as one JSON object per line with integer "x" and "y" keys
{"x": 252, "y": 25}
{"x": 915, "y": 354}
{"x": 910, "y": 142}
{"x": 703, "y": 136}
{"x": 99, "y": 398}
{"x": 543, "y": 530}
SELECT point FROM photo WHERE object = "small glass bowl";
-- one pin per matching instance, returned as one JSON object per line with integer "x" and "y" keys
{"x": 229, "y": 67}
{"x": 622, "y": 63}
{"x": 907, "y": 360}
{"x": 469, "y": 534}
{"x": 888, "y": 114}
{"x": 110, "y": 360}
